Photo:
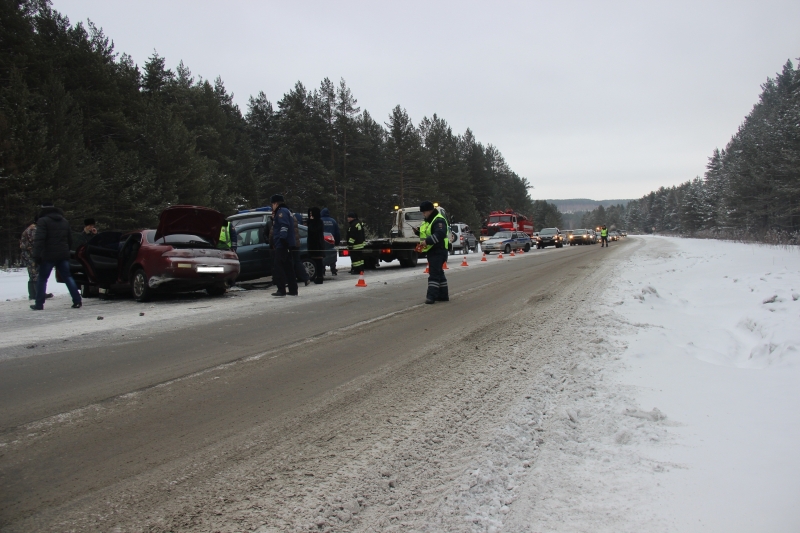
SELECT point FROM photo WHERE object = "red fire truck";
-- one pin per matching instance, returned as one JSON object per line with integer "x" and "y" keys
{"x": 506, "y": 220}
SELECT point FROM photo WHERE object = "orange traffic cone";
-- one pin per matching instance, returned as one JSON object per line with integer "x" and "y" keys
{"x": 427, "y": 269}
{"x": 464, "y": 262}
{"x": 512, "y": 254}
{"x": 484, "y": 257}
{"x": 500, "y": 255}
{"x": 445, "y": 267}
{"x": 361, "y": 282}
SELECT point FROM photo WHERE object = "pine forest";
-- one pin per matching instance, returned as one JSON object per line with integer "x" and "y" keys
{"x": 83, "y": 126}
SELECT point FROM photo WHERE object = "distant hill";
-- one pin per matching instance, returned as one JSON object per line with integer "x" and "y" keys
{"x": 583, "y": 204}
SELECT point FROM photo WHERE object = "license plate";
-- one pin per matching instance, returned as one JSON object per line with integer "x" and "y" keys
{"x": 211, "y": 270}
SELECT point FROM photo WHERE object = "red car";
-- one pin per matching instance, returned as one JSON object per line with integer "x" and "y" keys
{"x": 180, "y": 255}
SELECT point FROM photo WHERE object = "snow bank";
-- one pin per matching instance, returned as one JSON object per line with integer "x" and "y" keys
{"x": 14, "y": 285}
{"x": 684, "y": 417}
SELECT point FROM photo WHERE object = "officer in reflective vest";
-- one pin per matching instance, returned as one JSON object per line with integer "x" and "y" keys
{"x": 355, "y": 243}
{"x": 603, "y": 237}
{"x": 227, "y": 237}
{"x": 434, "y": 242}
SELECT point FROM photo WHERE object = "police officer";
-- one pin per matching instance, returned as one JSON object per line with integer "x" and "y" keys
{"x": 227, "y": 237}
{"x": 355, "y": 243}
{"x": 603, "y": 237}
{"x": 282, "y": 242}
{"x": 433, "y": 239}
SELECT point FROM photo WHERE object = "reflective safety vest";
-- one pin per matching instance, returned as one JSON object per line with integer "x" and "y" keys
{"x": 358, "y": 234}
{"x": 425, "y": 232}
{"x": 225, "y": 236}
{"x": 604, "y": 233}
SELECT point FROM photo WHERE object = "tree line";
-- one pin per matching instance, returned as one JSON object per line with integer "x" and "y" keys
{"x": 87, "y": 128}
{"x": 751, "y": 188}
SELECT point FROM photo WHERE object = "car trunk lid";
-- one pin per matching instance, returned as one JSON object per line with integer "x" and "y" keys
{"x": 190, "y": 220}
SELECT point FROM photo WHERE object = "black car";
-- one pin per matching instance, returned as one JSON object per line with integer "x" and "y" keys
{"x": 550, "y": 237}
{"x": 255, "y": 254}
{"x": 581, "y": 236}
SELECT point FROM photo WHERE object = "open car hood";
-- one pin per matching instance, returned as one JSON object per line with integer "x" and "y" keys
{"x": 191, "y": 220}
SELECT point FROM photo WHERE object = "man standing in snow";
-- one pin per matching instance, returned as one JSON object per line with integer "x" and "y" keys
{"x": 603, "y": 237}
{"x": 26, "y": 247}
{"x": 332, "y": 227}
{"x": 434, "y": 242}
{"x": 51, "y": 245}
{"x": 283, "y": 239}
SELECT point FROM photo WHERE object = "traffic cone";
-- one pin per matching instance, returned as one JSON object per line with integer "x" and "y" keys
{"x": 464, "y": 262}
{"x": 361, "y": 282}
{"x": 512, "y": 254}
{"x": 445, "y": 267}
{"x": 484, "y": 257}
{"x": 500, "y": 255}
{"x": 427, "y": 269}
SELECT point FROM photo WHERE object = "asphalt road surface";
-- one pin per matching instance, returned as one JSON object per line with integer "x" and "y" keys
{"x": 232, "y": 420}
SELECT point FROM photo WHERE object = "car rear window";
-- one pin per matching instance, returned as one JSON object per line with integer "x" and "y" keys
{"x": 548, "y": 231}
{"x": 415, "y": 215}
{"x": 180, "y": 240}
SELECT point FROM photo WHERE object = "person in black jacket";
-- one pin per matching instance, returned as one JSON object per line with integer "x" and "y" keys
{"x": 316, "y": 243}
{"x": 355, "y": 243}
{"x": 51, "y": 246}
{"x": 433, "y": 234}
{"x": 332, "y": 227}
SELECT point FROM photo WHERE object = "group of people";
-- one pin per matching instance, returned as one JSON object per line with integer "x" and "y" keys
{"x": 46, "y": 244}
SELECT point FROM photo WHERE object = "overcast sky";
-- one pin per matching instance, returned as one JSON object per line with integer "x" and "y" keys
{"x": 584, "y": 99}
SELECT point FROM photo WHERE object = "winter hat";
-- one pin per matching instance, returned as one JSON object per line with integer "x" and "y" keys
{"x": 277, "y": 199}
{"x": 426, "y": 206}
{"x": 89, "y": 222}
{"x": 352, "y": 214}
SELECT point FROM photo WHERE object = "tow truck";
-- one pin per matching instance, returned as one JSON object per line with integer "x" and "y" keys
{"x": 506, "y": 220}
{"x": 401, "y": 243}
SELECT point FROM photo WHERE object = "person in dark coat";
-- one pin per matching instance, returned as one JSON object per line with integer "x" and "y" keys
{"x": 300, "y": 272}
{"x": 283, "y": 239}
{"x": 316, "y": 243}
{"x": 433, "y": 234}
{"x": 89, "y": 231}
{"x": 355, "y": 243}
{"x": 51, "y": 246}
{"x": 332, "y": 227}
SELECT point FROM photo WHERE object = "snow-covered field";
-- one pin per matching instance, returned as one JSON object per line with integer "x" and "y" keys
{"x": 14, "y": 285}
{"x": 685, "y": 418}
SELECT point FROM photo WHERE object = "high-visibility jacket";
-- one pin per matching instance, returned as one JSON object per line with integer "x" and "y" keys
{"x": 355, "y": 235}
{"x": 435, "y": 236}
{"x": 225, "y": 236}
{"x": 604, "y": 232}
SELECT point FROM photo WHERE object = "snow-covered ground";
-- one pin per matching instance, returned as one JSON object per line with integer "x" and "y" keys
{"x": 14, "y": 285}
{"x": 684, "y": 417}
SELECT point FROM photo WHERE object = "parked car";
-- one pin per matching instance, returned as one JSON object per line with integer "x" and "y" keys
{"x": 550, "y": 237}
{"x": 462, "y": 239}
{"x": 255, "y": 253}
{"x": 180, "y": 255}
{"x": 506, "y": 241}
{"x": 581, "y": 236}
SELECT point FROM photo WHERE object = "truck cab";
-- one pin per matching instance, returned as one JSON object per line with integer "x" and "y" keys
{"x": 405, "y": 220}
{"x": 506, "y": 220}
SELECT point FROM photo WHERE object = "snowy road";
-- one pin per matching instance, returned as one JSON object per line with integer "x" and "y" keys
{"x": 562, "y": 390}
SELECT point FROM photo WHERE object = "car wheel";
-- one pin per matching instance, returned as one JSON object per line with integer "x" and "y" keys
{"x": 527, "y": 247}
{"x": 217, "y": 290}
{"x": 139, "y": 288}
{"x": 310, "y": 268}
{"x": 508, "y": 248}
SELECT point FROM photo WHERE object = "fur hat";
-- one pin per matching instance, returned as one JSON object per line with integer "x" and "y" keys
{"x": 277, "y": 199}
{"x": 352, "y": 214}
{"x": 89, "y": 222}
{"x": 426, "y": 206}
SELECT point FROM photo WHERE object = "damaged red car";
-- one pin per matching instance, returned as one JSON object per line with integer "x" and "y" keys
{"x": 181, "y": 255}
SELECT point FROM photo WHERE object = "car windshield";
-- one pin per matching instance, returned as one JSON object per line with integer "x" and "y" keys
{"x": 504, "y": 218}
{"x": 414, "y": 215}
{"x": 502, "y": 235}
{"x": 257, "y": 217}
{"x": 548, "y": 231}
{"x": 179, "y": 240}
{"x": 579, "y": 232}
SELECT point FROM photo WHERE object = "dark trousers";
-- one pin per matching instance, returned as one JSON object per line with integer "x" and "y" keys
{"x": 356, "y": 260}
{"x": 603, "y": 241}
{"x": 319, "y": 270}
{"x": 283, "y": 271}
{"x": 62, "y": 266}
{"x": 299, "y": 269}
{"x": 437, "y": 283}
